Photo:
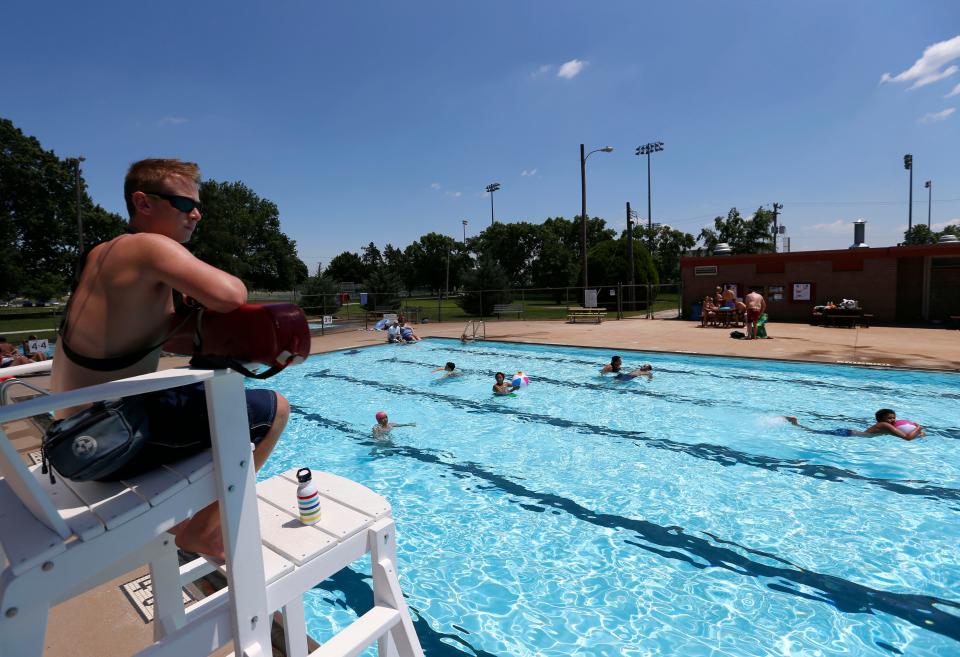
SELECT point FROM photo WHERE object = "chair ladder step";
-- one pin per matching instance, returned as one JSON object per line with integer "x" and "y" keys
{"x": 359, "y": 635}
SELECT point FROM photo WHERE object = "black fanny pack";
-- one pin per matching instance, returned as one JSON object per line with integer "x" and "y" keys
{"x": 98, "y": 441}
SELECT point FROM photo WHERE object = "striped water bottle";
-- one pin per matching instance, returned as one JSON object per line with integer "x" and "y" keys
{"x": 308, "y": 499}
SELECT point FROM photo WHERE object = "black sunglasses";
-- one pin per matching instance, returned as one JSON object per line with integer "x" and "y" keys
{"x": 181, "y": 203}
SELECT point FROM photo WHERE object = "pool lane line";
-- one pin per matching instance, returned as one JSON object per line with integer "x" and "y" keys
{"x": 707, "y": 451}
{"x": 858, "y": 388}
{"x": 614, "y": 385}
{"x": 617, "y": 386}
{"x": 845, "y": 595}
{"x": 942, "y": 432}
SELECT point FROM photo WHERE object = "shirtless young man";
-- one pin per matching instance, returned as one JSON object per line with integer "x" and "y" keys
{"x": 756, "y": 306}
{"x": 122, "y": 308}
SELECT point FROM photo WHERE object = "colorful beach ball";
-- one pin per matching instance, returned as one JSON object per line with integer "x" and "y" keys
{"x": 520, "y": 380}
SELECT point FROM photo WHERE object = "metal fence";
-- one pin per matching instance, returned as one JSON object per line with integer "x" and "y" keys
{"x": 365, "y": 310}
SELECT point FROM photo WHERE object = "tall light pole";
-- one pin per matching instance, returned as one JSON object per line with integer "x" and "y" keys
{"x": 908, "y": 165}
{"x": 583, "y": 204}
{"x": 464, "y": 222}
{"x": 491, "y": 188}
{"x": 929, "y": 186}
{"x": 776, "y": 213}
{"x": 646, "y": 149}
{"x": 76, "y": 183}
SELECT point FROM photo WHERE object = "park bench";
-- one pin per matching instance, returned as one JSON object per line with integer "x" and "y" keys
{"x": 595, "y": 315}
{"x": 506, "y": 308}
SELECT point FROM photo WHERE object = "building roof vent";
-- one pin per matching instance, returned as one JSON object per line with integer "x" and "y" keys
{"x": 859, "y": 235}
{"x": 722, "y": 248}
{"x": 948, "y": 238}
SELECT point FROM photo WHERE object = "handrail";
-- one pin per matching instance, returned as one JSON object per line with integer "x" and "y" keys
{"x": 135, "y": 385}
{"x": 9, "y": 383}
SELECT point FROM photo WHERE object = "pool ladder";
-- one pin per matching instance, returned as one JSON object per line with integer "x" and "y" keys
{"x": 475, "y": 328}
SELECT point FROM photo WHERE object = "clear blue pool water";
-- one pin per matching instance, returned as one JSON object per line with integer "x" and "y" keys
{"x": 671, "y": 516}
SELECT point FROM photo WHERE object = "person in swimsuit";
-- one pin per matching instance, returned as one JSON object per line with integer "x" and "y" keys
{"x": 9, "y": 356}
{"x": 500, "y": 386}
{"x": 449, "y": 370}
{"x": 616, "y": 365}
{"x": 121, "y": 311}
{"x": 385, "y": 426}
{"x": 756, "y": 306}
{"x": 887, "y": 423}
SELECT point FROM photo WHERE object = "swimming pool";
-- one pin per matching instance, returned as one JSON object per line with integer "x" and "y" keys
{"x": 669, "y": 516}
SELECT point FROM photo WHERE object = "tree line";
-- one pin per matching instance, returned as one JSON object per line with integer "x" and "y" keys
{"x": 241, "y": 234}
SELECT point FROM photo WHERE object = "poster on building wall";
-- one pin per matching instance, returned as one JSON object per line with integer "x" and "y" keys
{"x": 775, "y": 293}
{"x": 801, "y": 291}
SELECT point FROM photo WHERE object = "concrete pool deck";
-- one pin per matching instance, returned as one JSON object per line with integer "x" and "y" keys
{"x": 914, "y": 348}
{"x": 70, "y": 634}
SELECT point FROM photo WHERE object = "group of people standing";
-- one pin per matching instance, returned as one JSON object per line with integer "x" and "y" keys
{"x": 751, "y": 309}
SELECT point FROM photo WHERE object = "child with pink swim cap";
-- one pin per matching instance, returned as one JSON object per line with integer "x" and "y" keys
{"x": 384, "y": 426}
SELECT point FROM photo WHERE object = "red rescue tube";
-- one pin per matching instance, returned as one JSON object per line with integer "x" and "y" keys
{"x": 273, "y": 334}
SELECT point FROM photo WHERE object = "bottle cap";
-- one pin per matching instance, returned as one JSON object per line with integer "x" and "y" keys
{"x": 303, "y": 475}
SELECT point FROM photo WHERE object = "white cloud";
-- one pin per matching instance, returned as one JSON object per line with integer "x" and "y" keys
{"x": 572, "y": 69}
{"x": 528, "y": 173}
{"x": 838, "y": 226}
{"x": 543, "y": 70}
{"x": 955, "y": 92}
{"x": 941, "y": 226}
{"x": 927, "y": 69}
{"x": 454, "y": 194}
{"x": 172, "y": 120}
{"x": 434, "y": 185}
{"x": 933, "y": 117}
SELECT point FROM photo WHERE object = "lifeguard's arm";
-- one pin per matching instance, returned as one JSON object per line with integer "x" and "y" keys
{"x": 173, "y": 265}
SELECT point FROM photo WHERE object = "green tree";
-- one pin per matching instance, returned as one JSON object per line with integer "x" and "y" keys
{"x": 240, "y": 234}
{"x": 514, "y": 247}
{"x": 427, "y": 259}
{"x": 38, "y": 217}
{"x": 485, "y": 286}
{"x": 398, "y": 266}
{"x": 920, "y": 234}
{"x": 668, "y": 245}
{"x": 751, "y": 235}
{"x": 610, "y": 265}
{"x": 371, "y": 256}
{"x": 382, "y": 289}
{"x": 556, "y": 265}
{"x": 346, "y": 267}
{"x": 318, "y": 294}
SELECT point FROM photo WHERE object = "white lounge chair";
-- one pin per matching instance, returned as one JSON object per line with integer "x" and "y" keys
{"x": 59, "y": 540}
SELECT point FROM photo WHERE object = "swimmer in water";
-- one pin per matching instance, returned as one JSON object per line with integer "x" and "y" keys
{"x": 616, "y": 365}
{"x": 449, "y": 370}
{"x": 501, "y": 387}
{"x": 887, "y": 424}
{"x": 384, "y": 426}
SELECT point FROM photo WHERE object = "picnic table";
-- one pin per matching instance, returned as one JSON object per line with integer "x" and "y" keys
{"x": 849, "y": 317}
{"x": 595, "y": 315}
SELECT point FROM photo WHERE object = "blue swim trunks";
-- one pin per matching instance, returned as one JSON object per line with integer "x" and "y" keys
{"x": 835, "y": 432}
{"x": 180, "y": 425}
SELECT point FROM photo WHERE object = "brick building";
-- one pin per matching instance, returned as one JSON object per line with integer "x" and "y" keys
{"x": 897, "y": 285}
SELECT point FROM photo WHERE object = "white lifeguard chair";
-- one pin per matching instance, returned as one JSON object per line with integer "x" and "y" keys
{"x": 60, "y": 539}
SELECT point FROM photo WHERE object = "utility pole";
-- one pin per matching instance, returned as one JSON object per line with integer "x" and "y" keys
{"x": 491, "y": 188}
{"x": 776, "y": 210}
{"x": 583, "y": 213}
{"x": 929, "y": 186}
{"x": 908, "y": 165}
{"x": 630, "y": 242}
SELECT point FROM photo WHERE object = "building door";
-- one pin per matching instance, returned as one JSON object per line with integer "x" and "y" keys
{"x": 944, "y": 291}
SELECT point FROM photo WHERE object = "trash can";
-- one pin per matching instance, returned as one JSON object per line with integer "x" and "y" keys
{"x": 696, "y": 310}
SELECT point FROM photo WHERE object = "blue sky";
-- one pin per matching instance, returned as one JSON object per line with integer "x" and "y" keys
{"x": 384, "y": 120}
